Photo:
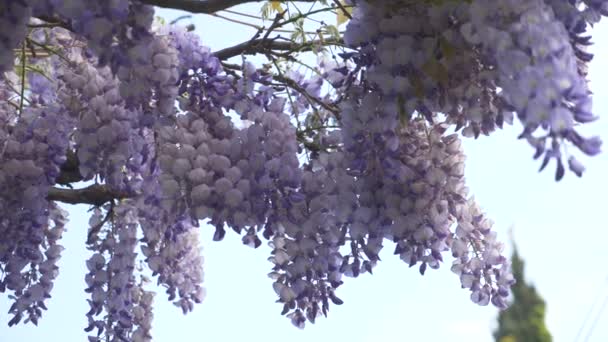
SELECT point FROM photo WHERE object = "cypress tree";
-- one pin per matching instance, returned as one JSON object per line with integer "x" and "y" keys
{"x": 524, "y": 320}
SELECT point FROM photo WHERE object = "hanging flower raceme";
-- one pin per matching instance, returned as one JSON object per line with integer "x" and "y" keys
{"x": 539, "y": 77}
{"x": 173, "y": 137}
{"x": 109, "y": 138}
{"x": 111, "y": 278}
{"x": 414, "y": 54}
{"x": 13, "y": 28}
{"x": 111, "y": 28}
{"x": 439, "y": 67}
{"x": 33, "y": 150}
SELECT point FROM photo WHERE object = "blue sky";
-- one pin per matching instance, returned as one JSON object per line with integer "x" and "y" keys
{"x": 560, "y": 229}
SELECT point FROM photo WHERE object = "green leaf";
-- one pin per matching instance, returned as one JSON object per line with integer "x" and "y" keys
{"x": 266, "y": 10}
{"x": 276, "y": 6}
{"x": 36, "y": 69}
{"x": 341, "y": 17}
{"x": 332, "y": 31}
{"x": 404, "y": 116}
{"x": 160, "y": 20}
{"x": 436, "y": 71}
{"x": 298, "y": 34}
{"x": 447, "y": 50}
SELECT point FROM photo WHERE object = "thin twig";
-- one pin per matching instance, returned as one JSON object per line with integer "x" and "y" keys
{"x": 243, "y": 14}
{"x": 236, "y": 21}
{"x": 96, "y": 228}
{"x": 55, "y": 21}
{"x": 295, "y": 86}
{"x": 257, "y": 27}
{"x": 22, "y": 92}
{"x": 181, "y": 17}
{"x": 208, "y": 6}
{"x": 343, "y": 9}
{"x": 260, "y": 46}
{"x": 275, "y": 24}
{"x": 48, "y": 49}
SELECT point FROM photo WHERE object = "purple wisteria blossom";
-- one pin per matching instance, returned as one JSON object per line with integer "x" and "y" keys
{"x": 328, "y": 164}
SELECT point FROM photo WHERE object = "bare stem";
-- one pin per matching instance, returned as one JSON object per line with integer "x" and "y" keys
{"x": 208, "y": 6}
{"x": 95, "y": 194}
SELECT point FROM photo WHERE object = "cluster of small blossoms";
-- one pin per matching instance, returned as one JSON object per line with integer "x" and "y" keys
{"x": 539, "y": 77}
{"x": 13, "y": 29}
{"x": 142, "y": 313}
{"x": 416, "y": 54}
{"x": 371, "y": 142}
{"x": 115, "y": 115}
{"x": 42, "y": 92}
{"x": 170, "y": 243}
{"x": 150, "y": 82}
{"x": 150, "y": 79}
{"x": 312, "y": 223}
{"x": 111, "y": 279}
{"x": 7, "y": 113}
{"x": 193, "y": 56}
{"x": 389, "y": 173}
{"x": 108, "y": 139}
{"x": 577, "y": 16}
{"x": 429, "y": 184}
{"x": 576, "y": 19}
{"x": 421, "y": 206}
{"x": 209, "y": 169}
{"x": 202, "y": 82}
{"x": 170, "y": 238}
{"x": 479, "y": 63}
{"x": 224, "y": 174}
{"x": 33, "y": 149}
{"x": 308, "y": 87}
{"x": 311, "y": 99}
{"x": 479, "y": 262}
{"x": 31, "y": 300}
{"x": 110, "y": 27}
{"x": 409, "y": 181}
{"x": 386, "y": 183}
{"x": 255, "y": 160}
{"x": 431, "y": 198}
{"x": 180, "y": 264}
{"x": 332, "y": 71}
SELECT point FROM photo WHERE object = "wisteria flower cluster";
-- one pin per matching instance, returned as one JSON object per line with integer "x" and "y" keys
{"x": 328, "y": 168}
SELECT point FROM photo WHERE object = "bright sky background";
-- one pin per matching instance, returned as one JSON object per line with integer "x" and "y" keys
{"x": 559, "y": 227}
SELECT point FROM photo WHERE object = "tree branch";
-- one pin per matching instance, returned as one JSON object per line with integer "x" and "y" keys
{"x": 197, "y": 6}
{"x": 265, "y": 45}
{"x": 55, "y": 22}
{"x": 343, "y": 9}
{"x": 295, "y": 86}
{"x": 95, "y": 194}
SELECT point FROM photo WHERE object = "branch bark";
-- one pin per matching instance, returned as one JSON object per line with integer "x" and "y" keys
{"x": 265, "y": 45}
{"x": 95, "y": 194}
{"x": 207, "y": 6}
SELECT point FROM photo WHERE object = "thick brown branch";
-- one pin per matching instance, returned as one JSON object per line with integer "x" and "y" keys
{"x": 55, "y": 22}
{"x": 197, "y": 6}
{"x": 95, "y": 194}
{"x": 265, "y": 45}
